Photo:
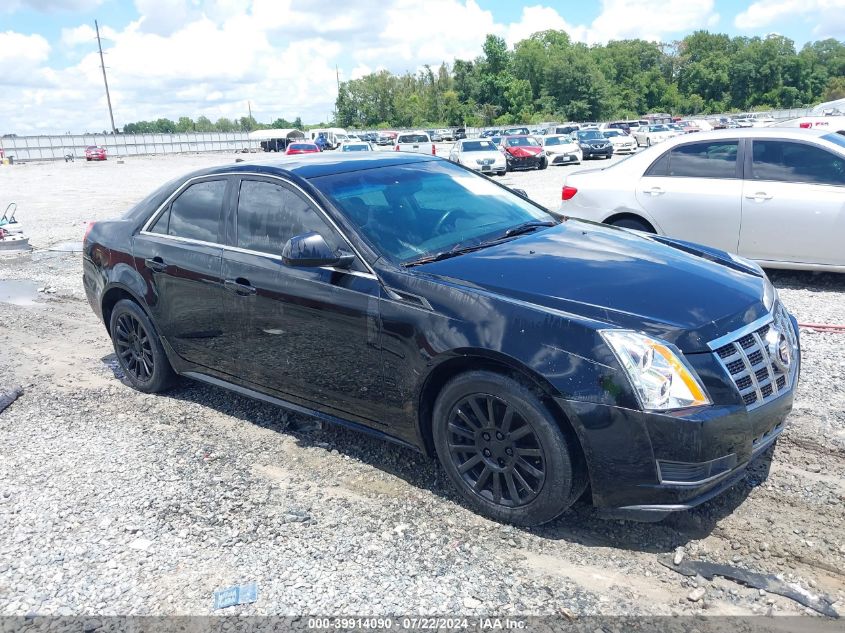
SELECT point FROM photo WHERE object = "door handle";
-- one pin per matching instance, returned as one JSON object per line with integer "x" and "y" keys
{"x": 760, "y": 196}
{"x": 655, "y": 191}
{"x": 156, "y": 264}
{"x": 239, "y": 286}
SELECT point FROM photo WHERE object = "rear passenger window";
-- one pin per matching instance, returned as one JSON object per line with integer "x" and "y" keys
{"x": 715, "y": 159}
{"x": 195, "y": 214}
{"x": 783, "y": 161}
{"x": 270, "y": 214}
{"x": 660, "y": 167}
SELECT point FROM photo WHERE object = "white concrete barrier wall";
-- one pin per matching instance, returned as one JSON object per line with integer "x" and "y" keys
{"x": 25, "y": 148}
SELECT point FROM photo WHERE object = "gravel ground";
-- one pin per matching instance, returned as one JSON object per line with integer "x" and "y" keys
{"x": 115, "y": 502}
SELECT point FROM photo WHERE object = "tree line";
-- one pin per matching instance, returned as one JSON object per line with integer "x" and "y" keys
{"x": 550, "y": 77}
{"x": 204, "y": 124}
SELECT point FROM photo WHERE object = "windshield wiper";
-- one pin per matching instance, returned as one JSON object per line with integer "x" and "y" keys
{"x": 458, "y": 249}
{"x": 527, "y": 227}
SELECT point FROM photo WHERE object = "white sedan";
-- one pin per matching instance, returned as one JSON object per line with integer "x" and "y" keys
{"x": 562, "y": 149}
{"x": 479, "y": 154}
{"x": 622, "y": 143}
{"x": 774, "y": 195}
{"x": 649, "y": 135}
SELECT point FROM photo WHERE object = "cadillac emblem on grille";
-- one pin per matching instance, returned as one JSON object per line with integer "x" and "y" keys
{"x": 780, "y": 350}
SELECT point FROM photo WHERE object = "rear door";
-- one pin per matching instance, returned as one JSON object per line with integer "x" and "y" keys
{"x": 179, "y": 252}
{"x": 310, "y": 333}
{"x": 793, "y": 205}
{"x": 693, "y": 192}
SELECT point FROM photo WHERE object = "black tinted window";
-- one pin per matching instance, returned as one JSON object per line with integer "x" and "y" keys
{"x": 714, "y": 159}
{"x": 270, "y": 214}
{"x": 660, "y": 167}
{"x": 796, "y": 162}
{"x": 195, "y": 214}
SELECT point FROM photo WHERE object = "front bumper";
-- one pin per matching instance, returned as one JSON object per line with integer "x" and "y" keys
{"x": 563, "y": 159}
{"x": 647, "y": 462}
{"x": 526, "y": 162}
{"x": 592, "y": 152}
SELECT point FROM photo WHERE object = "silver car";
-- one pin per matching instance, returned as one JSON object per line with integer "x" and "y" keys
{"x": 774, "y": 195}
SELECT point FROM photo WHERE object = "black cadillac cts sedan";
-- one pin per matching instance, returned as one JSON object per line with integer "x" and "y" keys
{"x": 411, "y": 298}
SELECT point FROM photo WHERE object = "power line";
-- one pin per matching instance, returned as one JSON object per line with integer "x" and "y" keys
{"x": 105, "y": 81}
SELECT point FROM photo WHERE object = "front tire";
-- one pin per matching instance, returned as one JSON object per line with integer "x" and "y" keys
{"x": 138, "y": 349}
{"x": 648, "y": 142}
{"x": 503, "y": 451}
{"x": 543, "y": 164}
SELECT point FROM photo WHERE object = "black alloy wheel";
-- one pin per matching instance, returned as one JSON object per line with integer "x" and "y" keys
{"x": 496, "y": 452}
{"x": 133, "y": 347}
{"x": 138, "y": 348}
{"x": 504, "y": 451}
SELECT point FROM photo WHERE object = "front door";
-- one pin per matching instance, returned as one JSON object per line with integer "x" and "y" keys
{"x": 180, "y": 254}
{"x": 310, "y": 333}
{"x": 793, "y": 205}
{"x": 693, "y": 192}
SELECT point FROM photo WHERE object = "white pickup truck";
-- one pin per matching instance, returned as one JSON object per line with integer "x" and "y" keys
{"x": 417, "y": 142}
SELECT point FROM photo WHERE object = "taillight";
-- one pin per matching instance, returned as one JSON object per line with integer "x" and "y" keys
{"x": 397, "y": 147}
{"x": 568, "y": 193}
{"x": 88, "y": 227}
{"x": 433, "y": 150}
{"x": 805, "y": 125}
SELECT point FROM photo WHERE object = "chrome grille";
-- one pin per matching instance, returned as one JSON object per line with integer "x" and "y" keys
{"x": 745, "y": 355}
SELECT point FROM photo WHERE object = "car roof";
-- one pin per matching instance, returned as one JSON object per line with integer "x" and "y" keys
{"x": 316, "y": 165}
{"x": 759, "y": 132}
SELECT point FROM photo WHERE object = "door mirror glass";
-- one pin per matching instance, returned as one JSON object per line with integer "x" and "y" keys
{"x": 311, "y": 250}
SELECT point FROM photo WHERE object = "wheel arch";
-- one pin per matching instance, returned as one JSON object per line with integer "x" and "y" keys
{"x": 632, "y": 216}
{"x": 112, "y": 295}
{"x": 464, "y": 360}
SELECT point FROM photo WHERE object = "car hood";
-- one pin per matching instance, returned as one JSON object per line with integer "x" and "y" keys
{"x": 562, "y": 149}
{"x": 683, "y": 293}
{"x": 523, "y": 151}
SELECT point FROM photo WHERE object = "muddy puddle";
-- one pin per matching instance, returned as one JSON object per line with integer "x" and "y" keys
{"x": 18, "y": 292}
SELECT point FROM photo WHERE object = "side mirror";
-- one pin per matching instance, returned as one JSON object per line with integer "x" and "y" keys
{"x": 519, "y": 192}
{"x": 311, "y": 250}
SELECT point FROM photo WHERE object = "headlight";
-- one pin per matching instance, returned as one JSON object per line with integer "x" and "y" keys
{"x": 770, "y": 294}
{"x": 661, "y": 378}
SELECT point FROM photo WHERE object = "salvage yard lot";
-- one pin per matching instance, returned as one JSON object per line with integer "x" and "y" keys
{"x": 115, "y": 502}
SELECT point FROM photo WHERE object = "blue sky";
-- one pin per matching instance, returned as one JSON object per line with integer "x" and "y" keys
{"x": 213, "y": 57}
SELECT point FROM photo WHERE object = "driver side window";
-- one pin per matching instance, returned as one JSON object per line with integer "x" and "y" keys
{"x": 269, "y": 214}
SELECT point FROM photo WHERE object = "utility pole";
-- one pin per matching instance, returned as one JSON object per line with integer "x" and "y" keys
{"x": 105, "y": 81}
{"x": 249, "y": 106}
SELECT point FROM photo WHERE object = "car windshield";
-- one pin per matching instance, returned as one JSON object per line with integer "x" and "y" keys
{"x": 521, "y": 141}
{"x": 516, "y": 130}
{"x": 478, "y": 146}
{"x": 658, "y": 128}
{"x": 590, "y": 135}
{"x": 611, "y": 133}
{"x": 554, "y": 140}
{"x": 415, "y": 210}
{"x": 303, "y": 146}
{"x": 413, "y": 138}
{"x": 356, "y": 147}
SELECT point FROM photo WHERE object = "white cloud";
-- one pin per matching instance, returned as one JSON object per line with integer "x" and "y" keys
{"x": 827, "y": 16}
{"x": 82, "y": 34}
{"x": 541, "y": 18}
{"x": 49, "y": 6}
{"x": 651, "y": 19}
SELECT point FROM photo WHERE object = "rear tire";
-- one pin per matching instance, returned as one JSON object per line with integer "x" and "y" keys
{"x": 632, "y": 223}
{"x": 503, "y": 450}
{"x": 138, "y": 349}
{"x": 501, "y": 173}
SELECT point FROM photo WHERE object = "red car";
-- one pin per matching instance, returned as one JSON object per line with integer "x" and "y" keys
{"x": 95, "y": 152}
{"x": 302, "y": 148}
{"x": 523, "y": 152}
